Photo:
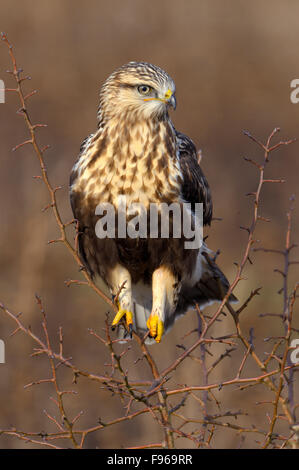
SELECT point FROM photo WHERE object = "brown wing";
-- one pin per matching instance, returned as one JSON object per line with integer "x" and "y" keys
{"x": 195, "y": 187}
{"x": 84, "y": 215}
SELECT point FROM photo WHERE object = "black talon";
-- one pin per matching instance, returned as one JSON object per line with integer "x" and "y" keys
{"x": 131, "y": 330}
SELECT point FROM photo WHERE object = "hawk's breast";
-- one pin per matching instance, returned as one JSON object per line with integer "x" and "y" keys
{"x": 139, "y": 162}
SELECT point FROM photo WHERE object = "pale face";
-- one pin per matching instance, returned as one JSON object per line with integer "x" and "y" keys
{"x": 138, "y": 88}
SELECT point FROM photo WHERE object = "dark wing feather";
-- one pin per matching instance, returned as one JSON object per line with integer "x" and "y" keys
{"x": 81, "y": 214}
{"x": 212, "y": 286}
{"x": 195, "y": 187}
{"x": 76, "y": 205}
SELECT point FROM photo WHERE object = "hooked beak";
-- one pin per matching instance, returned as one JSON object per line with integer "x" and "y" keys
{"x": 170, "y": 99}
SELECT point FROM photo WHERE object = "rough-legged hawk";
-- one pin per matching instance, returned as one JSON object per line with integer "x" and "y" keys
{"x": 136, "y": 152}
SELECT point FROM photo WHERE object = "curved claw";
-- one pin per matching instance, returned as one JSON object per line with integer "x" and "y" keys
{"x": 156, "y": 327}
{"x": 129, "y": 319}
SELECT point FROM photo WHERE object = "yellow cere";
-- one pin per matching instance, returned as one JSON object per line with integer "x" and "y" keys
{"x": 168, "y": 94}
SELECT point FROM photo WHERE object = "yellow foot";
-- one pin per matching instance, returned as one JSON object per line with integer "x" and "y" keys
{"x": 155, "y": 326}
{"x": 129, "y": 319}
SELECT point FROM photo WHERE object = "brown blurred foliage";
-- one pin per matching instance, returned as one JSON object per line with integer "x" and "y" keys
{"x": 232, "y": 63}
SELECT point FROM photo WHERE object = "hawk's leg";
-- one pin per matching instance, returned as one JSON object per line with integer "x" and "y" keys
{"x": 163, "y": 287}
{"x": 120, "y": 282}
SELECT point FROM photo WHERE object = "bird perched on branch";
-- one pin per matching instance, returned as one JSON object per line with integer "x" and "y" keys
{"x": 137, "y": 152}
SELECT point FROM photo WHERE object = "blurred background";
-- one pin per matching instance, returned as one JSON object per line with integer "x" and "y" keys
{"x": 232, "y": 63}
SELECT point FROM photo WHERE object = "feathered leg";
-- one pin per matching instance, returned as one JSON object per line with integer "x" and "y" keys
{"x": 120, "y": 282}
{"x": 164, "y": 288}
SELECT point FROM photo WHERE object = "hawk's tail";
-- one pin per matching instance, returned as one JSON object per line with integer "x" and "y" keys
{"x": 209, "y": 285}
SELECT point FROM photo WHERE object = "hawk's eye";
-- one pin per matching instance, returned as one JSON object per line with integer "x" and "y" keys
{"x": 144, "y": 89}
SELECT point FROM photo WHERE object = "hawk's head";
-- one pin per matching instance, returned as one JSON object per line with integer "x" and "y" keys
{"x": 137, "y": 90}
